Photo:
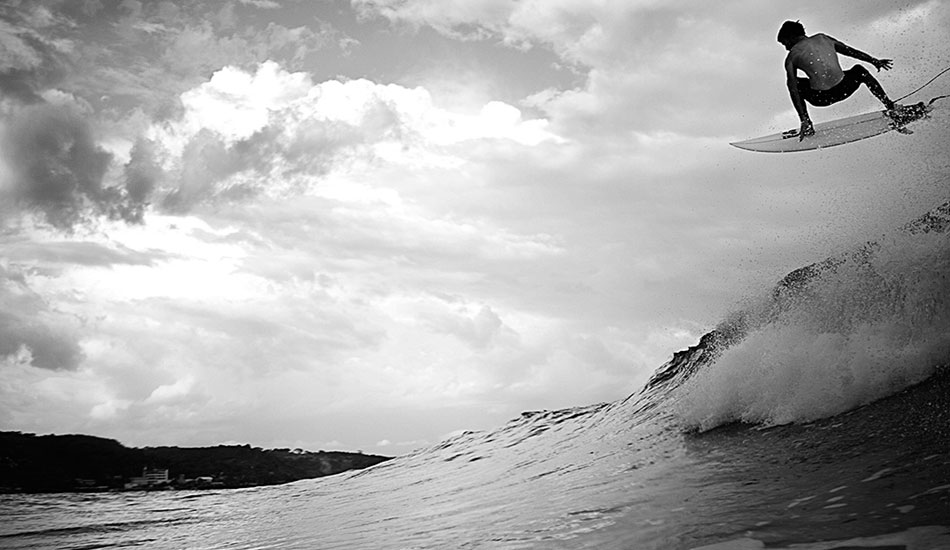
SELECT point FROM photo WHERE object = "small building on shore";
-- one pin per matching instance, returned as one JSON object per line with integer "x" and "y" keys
{"x": 150, "y": 478}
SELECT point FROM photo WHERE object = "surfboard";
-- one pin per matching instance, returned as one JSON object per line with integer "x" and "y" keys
{"x": 840, "y": 131}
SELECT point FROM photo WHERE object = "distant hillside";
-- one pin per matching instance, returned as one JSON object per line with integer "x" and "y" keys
{"x": 60, "y": 463}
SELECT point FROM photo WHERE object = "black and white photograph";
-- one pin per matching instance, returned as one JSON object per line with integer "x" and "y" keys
{"x": 475, "y": 274}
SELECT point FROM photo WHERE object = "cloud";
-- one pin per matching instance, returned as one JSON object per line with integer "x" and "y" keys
{"x": 272, "y": 132}
{"x": 225, "y": 309}
{"x": 198, "y": 49}
{"x": 31, "y": 333}
{"x": 263, "y": 4}
{"x": 55, "y": 167}
{"x": 42, "y": 321}
{"x": 140, "y": 55}
{"x": 478, "y": 330}
{"x": 277, "y": 126}
{"x": 49, "y": 257}
{"x": 170, "y": 392}
{"x": 228, "y": 135}
{"x": 16, "y": 53}
{"x": 477, "y": 326}
{"x": 572, "y": 28}
{"x": 142, "y": 175}
{"x": 237, "y": 104}
{"x": 621, "y": 47}
{"x": 204, "y": 162}
{"x": 29, "y": 63}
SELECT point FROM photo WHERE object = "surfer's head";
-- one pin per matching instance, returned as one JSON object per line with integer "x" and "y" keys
{"x": 790, "y": 32}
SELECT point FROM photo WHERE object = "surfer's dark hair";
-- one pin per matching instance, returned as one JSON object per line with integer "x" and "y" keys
{"x": 790, "y": 29}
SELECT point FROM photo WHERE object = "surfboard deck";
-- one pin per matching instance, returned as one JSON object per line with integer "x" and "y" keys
{"x": 838, "y": 132}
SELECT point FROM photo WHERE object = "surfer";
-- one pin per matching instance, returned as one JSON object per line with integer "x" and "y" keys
{"x": 826, "y": 83}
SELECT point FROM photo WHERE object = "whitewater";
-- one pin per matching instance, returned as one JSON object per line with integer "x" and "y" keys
{"x": 815, "y": 416}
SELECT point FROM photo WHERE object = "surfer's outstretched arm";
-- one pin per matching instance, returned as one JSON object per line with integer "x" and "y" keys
{"x": 847, "y": 50}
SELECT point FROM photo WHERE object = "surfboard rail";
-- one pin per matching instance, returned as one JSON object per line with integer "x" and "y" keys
{"x": 839, "y": 131}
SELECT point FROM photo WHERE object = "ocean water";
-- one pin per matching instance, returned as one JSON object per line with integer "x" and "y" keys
{"x": 816, "y": 417}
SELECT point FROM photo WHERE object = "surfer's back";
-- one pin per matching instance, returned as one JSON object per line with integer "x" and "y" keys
{"x": 817, "y": 57}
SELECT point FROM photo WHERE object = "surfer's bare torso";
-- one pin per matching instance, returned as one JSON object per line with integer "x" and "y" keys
{"x": 817, "y": 57}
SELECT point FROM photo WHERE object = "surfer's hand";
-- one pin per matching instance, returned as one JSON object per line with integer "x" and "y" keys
{"x": 885, "y": 64}
{"x": 807, "y": 130}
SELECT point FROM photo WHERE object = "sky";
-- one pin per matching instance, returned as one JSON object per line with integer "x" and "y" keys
{"x": 372, "y": 224}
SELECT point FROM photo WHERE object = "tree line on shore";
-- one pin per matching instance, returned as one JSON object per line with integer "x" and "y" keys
{"x": 62, "y": 463}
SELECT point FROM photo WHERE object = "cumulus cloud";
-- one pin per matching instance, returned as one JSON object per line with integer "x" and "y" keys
{"x": 229, "y": 138}
{"x": 275, "y": 132}
{"x": 237, "y": 104}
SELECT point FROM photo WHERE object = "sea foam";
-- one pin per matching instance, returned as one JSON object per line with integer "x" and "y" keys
{"x": 836, "y": 336}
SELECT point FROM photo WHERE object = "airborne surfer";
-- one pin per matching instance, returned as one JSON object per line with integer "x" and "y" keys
{"x": 826, "y": 83}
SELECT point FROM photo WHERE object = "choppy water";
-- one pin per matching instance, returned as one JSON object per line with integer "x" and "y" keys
{"x": 585, "y": 478}
{"x": 839, "y": 379}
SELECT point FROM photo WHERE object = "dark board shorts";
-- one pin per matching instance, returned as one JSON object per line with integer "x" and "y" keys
{"x": 840, "y": 91}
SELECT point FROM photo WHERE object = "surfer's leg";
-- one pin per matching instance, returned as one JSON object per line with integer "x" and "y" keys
{"x": 866, "y": 78}
{"x": 806, "y": 92}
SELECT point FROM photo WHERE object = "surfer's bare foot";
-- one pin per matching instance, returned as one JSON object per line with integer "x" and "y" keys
{"x": 902, "y": 114}
{"x": 895, "y": 110}
{"x": 898, "y": 113}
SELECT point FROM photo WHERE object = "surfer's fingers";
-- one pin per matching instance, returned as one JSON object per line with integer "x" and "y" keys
{"x": 807, "y": 129}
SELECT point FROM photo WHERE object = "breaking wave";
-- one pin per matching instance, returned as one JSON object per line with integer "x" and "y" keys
{"x": 831, "y": 336}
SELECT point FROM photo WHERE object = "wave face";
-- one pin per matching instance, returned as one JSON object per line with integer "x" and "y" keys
{"x": 734, "y": 443}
